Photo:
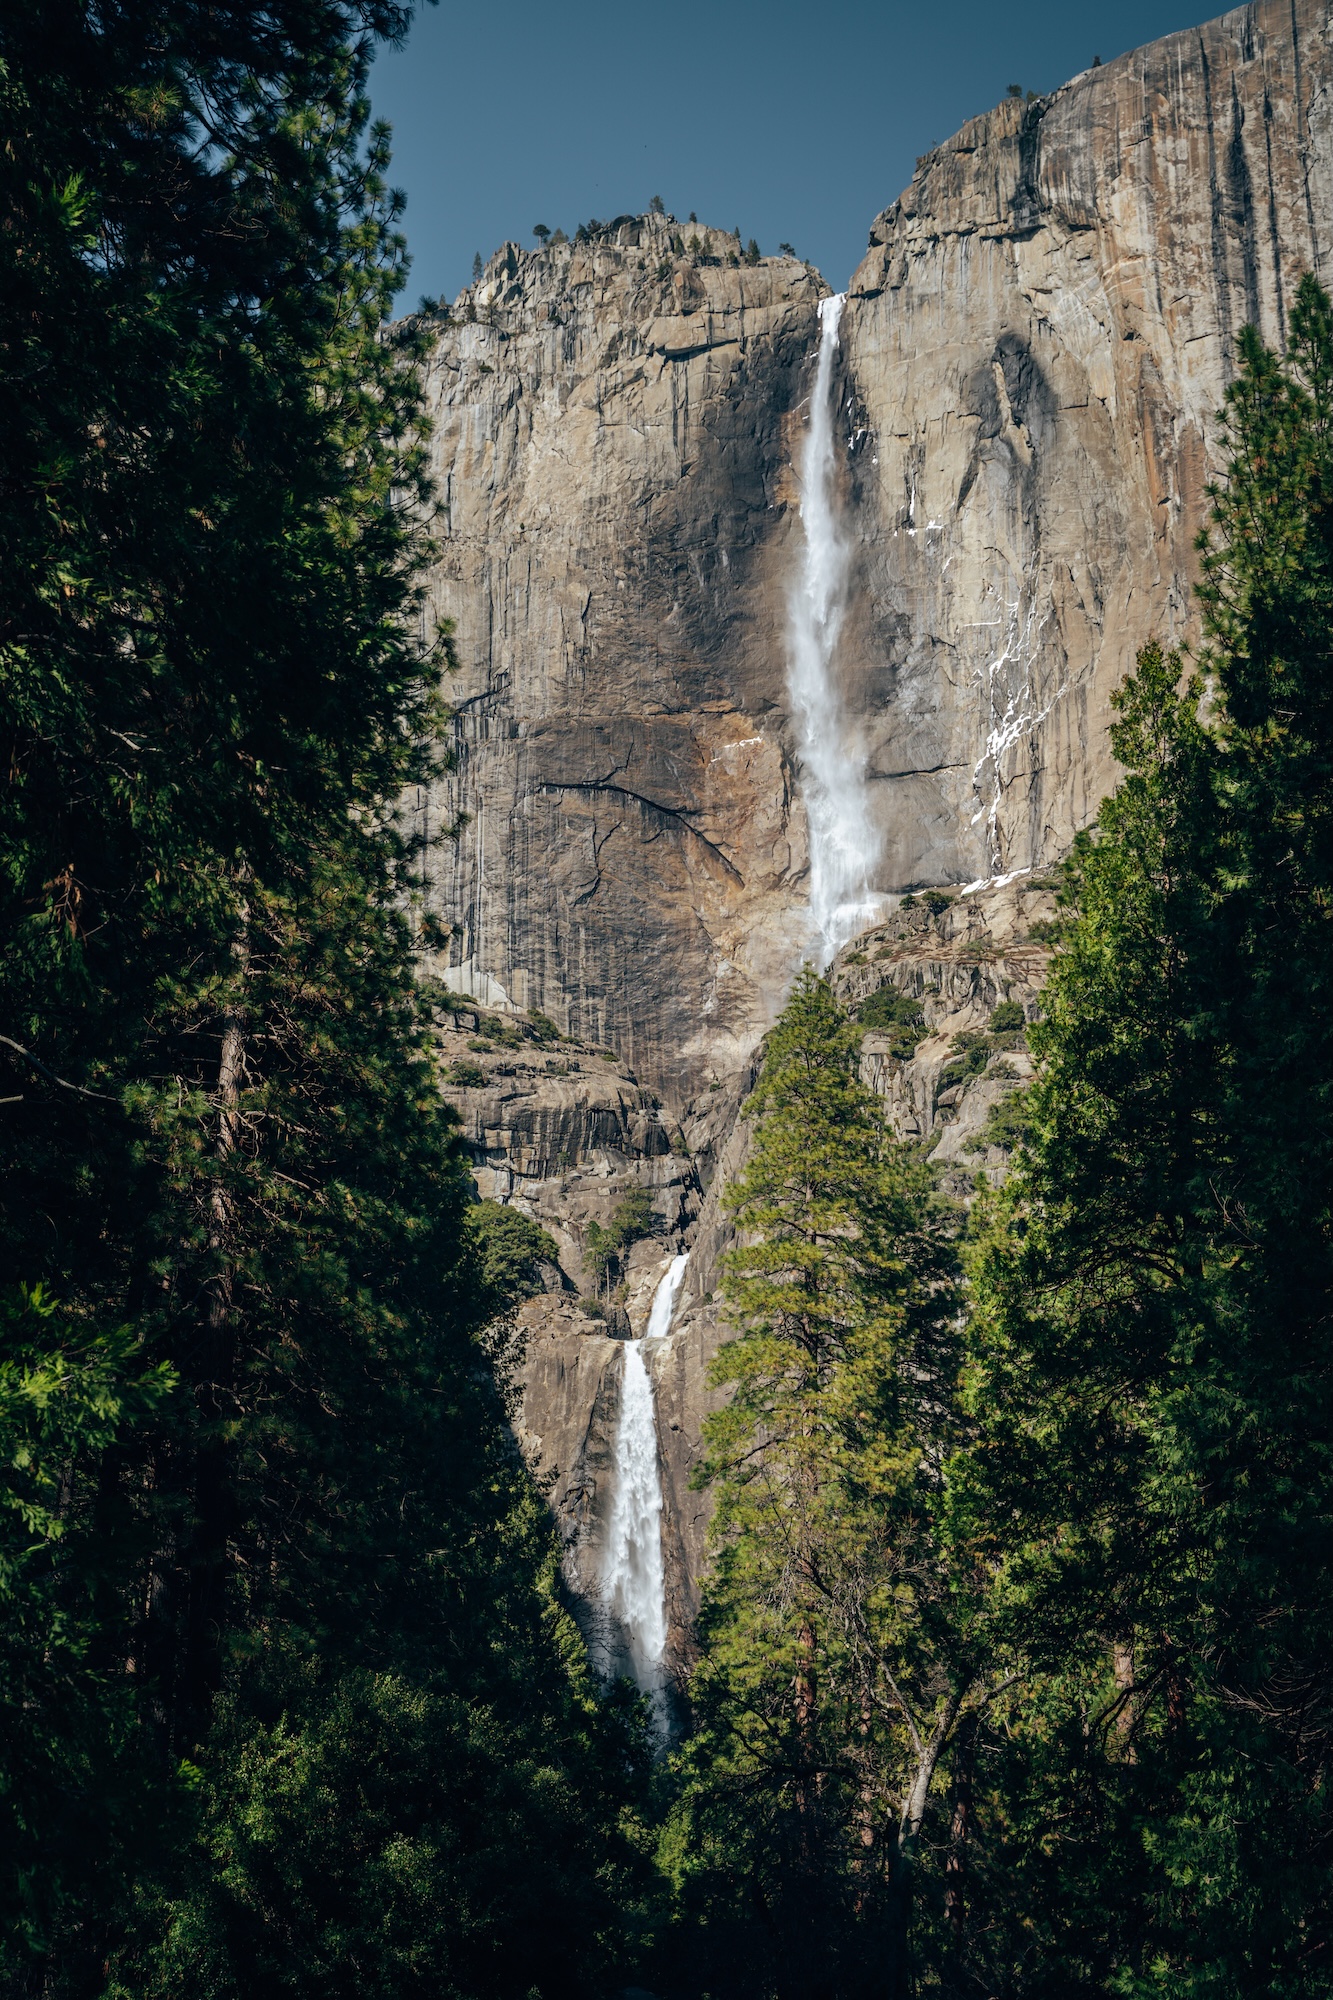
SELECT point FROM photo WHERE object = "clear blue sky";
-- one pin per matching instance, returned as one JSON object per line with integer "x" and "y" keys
{"x": 799, "y": 123}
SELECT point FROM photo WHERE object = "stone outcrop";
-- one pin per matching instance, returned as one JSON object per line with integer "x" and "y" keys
{"x": 1035, "y": 348}
{"x": 956, "y": 960}
{"x": 564, "y": 1131}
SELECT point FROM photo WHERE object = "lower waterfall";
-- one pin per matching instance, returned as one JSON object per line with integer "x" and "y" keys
{"x": 844, "y": 846}
{"x": 633, "y": 1580}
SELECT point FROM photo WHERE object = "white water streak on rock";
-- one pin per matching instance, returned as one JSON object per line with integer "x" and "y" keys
{"x": 633, "y": 1582}
{"x": 664, "y": 1299}
{"x": 844, "y": 845}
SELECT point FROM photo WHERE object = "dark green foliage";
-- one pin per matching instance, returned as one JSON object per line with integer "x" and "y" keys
{"x": 1006, "y": 1017}
{"x": 1157, "y": 1310}
{"x": 897, "y": 1014}
{"x": 1007, "y": 1125}
{"x": 937, "y": 901}
{"x": 543, "y": 1028}
{"x": 887, "y": 1008}
{"x": 844, "y": 1626}
{"x": 631, "y": 1219}
{"x": 253, "y": 1470}
{"x": 502, "y": 1032}
{"x": 509, "y": 1247}
{"x": 391, "y": 1833}
{"x": 466, "y": 1076}
{"x": 970, "y": 1054}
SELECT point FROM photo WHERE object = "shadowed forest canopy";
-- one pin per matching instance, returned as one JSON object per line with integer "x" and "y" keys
{"x": 289, "y": 1700}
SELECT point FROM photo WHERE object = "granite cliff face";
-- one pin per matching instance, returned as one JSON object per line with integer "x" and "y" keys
{"x": 1035, "y": 347}
{"x": 1032, "y": 353}
{"x": 613, "y": 424}
{"x": 1031, "y": 357}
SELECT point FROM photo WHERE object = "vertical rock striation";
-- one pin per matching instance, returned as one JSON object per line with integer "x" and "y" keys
{"x": 613, "y": 425}
{"x": 1035, "y": 347}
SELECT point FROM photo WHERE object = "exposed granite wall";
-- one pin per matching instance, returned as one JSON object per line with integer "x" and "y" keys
{"x": 1033, "y": 352}
{"x": 612, "y": 433}
{"x": 1035, "y": 348}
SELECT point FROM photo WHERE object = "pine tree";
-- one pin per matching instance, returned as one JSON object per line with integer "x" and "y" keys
{"x": 263, "y": 1526}
{"x": 844, "y": 1623}
{"x": 1156, "y": 1307}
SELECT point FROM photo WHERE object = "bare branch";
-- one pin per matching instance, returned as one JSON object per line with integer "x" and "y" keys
{"x": 97, "y": 1096}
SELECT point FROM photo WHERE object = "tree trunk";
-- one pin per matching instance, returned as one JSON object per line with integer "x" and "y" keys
{"x": 804, "y": 1690}
{"x": 898, "y": 1962}
{"x": 214, "y": 1500}
{"x": 960, "y": 1827}
{"x": 1122, "y": 1666}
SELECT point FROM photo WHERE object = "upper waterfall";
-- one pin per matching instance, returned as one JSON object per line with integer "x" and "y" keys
{"x": 844, "y": 845}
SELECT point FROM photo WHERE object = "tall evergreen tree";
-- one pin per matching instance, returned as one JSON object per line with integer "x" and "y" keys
{"x": 265, "y": 1543}
{"x": 844, "y": 1624}
{"x": 1157, "y": 1308}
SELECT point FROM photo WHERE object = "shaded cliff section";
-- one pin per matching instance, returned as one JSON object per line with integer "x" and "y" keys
{"x": 1035, "y": 347}
{"x": 613, "y": 423}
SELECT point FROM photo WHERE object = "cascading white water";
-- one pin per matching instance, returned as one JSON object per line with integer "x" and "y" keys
{"x": 632, "y": 1577}
{"x": 664, "y": 1299}
{"x": 844, "y": 846}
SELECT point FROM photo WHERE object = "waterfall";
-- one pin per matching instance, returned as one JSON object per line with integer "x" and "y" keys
{"x": 632, "y": 1577}
{"x": 844, "y": 846}
{"x": 664, "y": 1299}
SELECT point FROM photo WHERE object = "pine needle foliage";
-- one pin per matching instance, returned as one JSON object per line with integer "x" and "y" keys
{"x": 260, "y": 1524}
{"x": 1155, "y": 1290}
{"x": 844, "y": 1624}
